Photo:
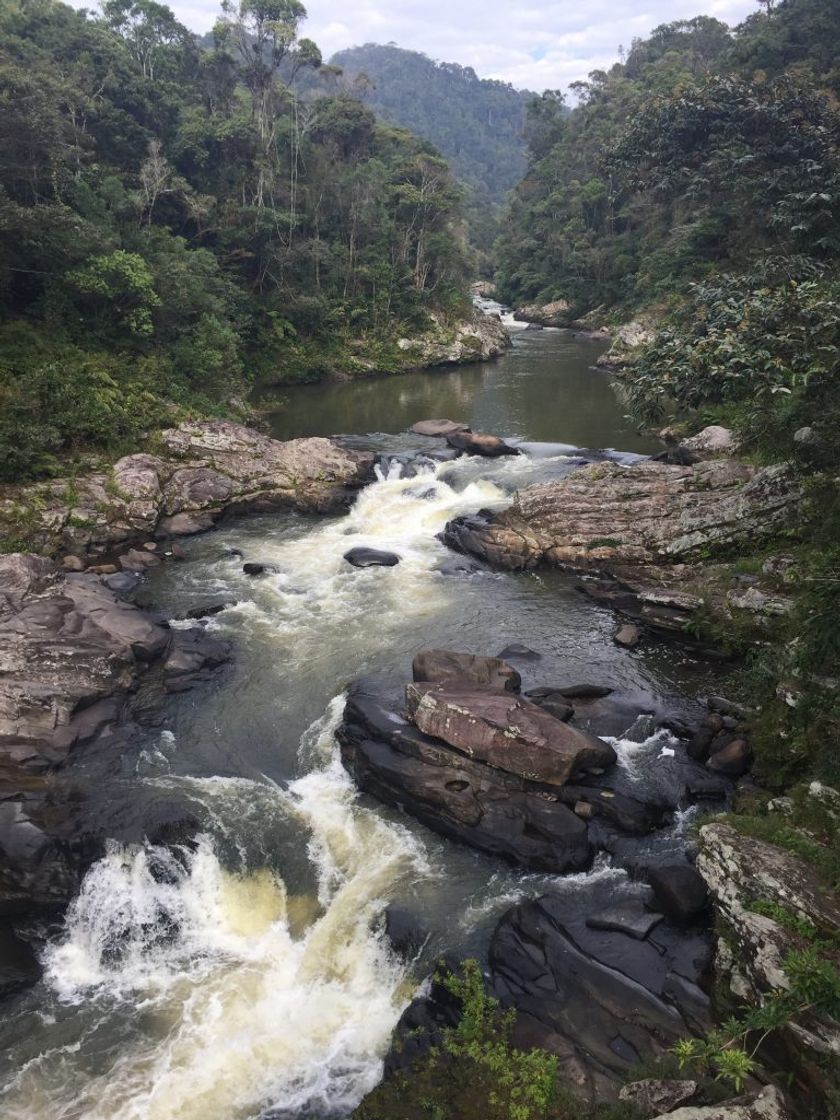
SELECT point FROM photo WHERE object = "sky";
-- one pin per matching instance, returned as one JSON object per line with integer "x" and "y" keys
{"x": 533, "y": 45}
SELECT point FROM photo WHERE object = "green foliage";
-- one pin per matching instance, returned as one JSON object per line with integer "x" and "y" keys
{"x": 163, "y": 210}
{"x": 475, "y": 1073}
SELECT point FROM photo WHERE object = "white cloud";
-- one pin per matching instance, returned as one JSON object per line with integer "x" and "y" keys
{"x": 533, "y": 46}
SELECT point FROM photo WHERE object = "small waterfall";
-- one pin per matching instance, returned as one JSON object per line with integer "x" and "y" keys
{"x": 246, "y": 996}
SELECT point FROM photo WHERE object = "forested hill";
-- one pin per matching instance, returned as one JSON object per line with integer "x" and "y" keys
{"x": 176, "y": 221}
{"x": 477, "y": 123}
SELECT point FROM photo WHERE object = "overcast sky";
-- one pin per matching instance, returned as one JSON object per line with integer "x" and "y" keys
{"x": 531, "y": 44}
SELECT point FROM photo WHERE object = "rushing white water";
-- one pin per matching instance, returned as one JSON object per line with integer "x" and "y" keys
{"x": 252, "y": 998}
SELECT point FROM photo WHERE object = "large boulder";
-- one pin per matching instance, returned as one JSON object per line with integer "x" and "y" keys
{"x": 647, "y": 513}
{"x": 475, "y": 339}
{"x": 445, "y": 666}
{"x": 556, "y": 313}
{"x": 462, "y": 799}
{"x": 506, "y": 732}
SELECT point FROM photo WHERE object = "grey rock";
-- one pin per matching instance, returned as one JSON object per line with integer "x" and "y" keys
{"x": 438, "y": 427}
{"x": 652, "y": 1096}
{"x": 768, "y": 1104}
{"x": 442, "y": 665}
{"x": 371, "y": 558}
{"x": 630, "y": 917}
{"x": 628, "y": 636}
{"x": 680, "y": 891}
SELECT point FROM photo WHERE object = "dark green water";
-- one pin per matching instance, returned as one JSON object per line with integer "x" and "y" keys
{"x": 545, "y": 389}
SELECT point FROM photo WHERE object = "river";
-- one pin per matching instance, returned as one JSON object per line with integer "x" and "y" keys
{"x": 250, "y": 977}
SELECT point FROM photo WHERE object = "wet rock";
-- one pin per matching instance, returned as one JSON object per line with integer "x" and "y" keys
{"x": 516, "y": 651}
{"x": 454, "y": 795}
{"x": 768, "y": 1104}
{"x": 19, "y": 966}
{"x": 403, "y": 930}
{"x": 680, "y": 891}
{"x": 725, "y": 707}
{"x": 480, "y": 443}
{"x": 254, "y": 568}
{"x": 584, "y": 691}
{"x": 733, "y": 757}
{"x": 371, "y": 558}
{"x": 208, "y": 610}
{"x": 506, "y": 732}
{"x": 630, "y": 917}
{"x": 438, "y": 427}
{"x": 628, "y": 636}
{"x": 534, "y": 327}
{"x": 441, "y": 665}
{"x": 192, "y": 656}
{"x": 644, "y": 514}
{"x": 553, "y": 701}
{"x": 122, "y": 583}
{"x": 459, "y": 566}
{"x": 652, "y": 1096}
{"x": 233, "y": 553}
{"x": 177, "y": 552}
{"x": 595, "y": 999}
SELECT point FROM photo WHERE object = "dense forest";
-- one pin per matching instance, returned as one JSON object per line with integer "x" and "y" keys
{"x": 176, "y": 222}
{"x": 697, "y": 185}
{"x": 477, "y": 123}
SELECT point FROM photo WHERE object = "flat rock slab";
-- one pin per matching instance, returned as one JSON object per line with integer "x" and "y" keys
{"x": 630, "y": 917}
{"x": 443, "y": 665}
{"x": 371, "y": 558}
{"x": 438, "y": 427}
{"x": 506, "y": 732}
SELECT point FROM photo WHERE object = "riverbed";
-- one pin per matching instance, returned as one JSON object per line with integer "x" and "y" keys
{"x": 248, "y": 976}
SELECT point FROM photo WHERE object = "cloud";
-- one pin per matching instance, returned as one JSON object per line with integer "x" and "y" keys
{"x": 533, "y": 46}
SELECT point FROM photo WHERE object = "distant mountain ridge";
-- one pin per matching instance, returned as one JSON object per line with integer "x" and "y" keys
{"x": 477, "y": 123}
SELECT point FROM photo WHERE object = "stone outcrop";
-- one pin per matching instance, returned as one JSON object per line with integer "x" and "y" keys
{"x": 199, "y": 471}
{"x": 601, "y": 1000}
{"x": 477, "y": 339}
{"x": 447, "y": 666}
{"x": 645, "y": 514}
{"x": 627, "y": 341}
{"x": 480, "y": 443}
{"x": 741, "y": 872}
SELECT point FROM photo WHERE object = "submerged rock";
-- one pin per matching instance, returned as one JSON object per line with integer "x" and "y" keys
{"x": 443, "y": 665}
{"x": 506, "y": 732}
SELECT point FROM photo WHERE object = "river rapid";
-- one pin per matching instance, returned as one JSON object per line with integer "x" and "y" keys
{"x": 248, "y": 976}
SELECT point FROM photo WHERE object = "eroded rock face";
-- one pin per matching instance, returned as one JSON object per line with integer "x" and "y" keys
{"x": 557, "y": 313}
{"x": 506, "y": 732}
{"x": 203, "y": 469}
{"x": 71, "y": 655}
{"x": 739, "y": 871}
{"x": 644, "y": 514}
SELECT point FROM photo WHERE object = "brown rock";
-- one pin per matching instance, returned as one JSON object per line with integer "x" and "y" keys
{"x": 480, "y": 443}
{"x": 442, "y": 665}
{"x": 187, "y": 524}
{"x": 734, "y": 758}
{"x": 438, "y": 427}
{"x": 72, "y": 564}
{"x": 628, "y": 636}
{"x": 136, "y": 560}
{"x": 506, "y": 732}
